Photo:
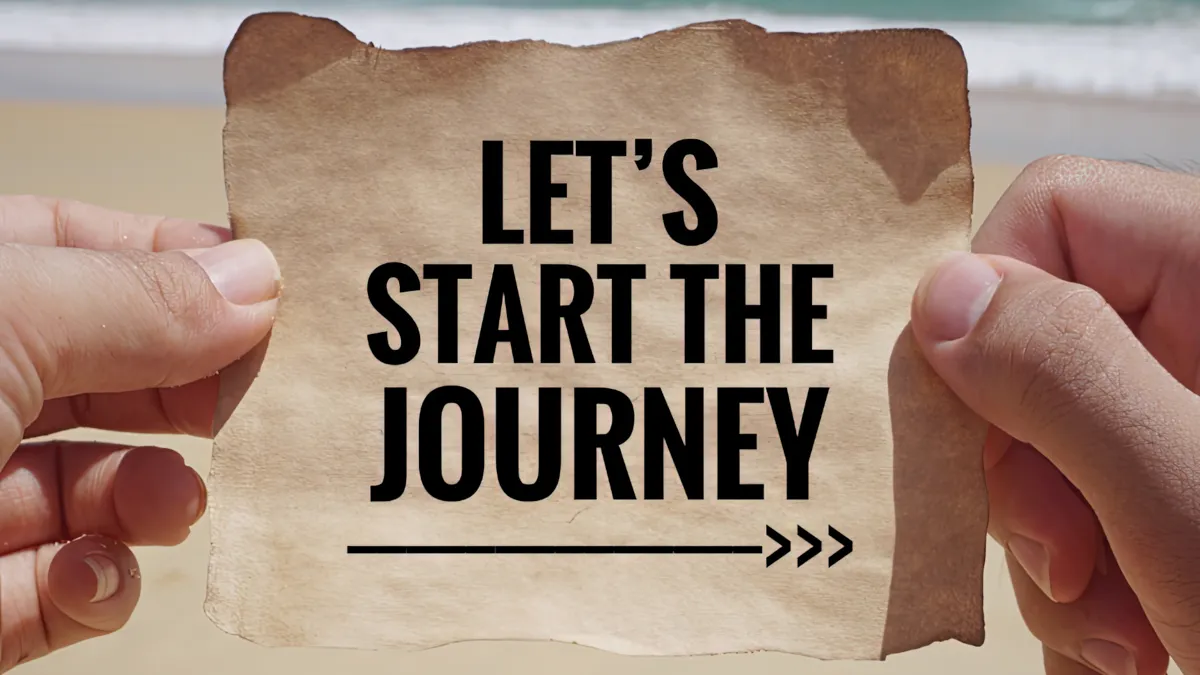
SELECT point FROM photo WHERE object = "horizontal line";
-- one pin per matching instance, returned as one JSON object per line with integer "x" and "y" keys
{"x": 554, "y": 550}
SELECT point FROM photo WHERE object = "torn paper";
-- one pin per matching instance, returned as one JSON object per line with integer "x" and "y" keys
{"x": 602, "y": 345}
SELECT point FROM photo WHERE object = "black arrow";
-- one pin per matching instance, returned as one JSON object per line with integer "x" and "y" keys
{"x": 847, "y": 546}
{"x": 635, "y": 549}
{"x": 814, "y": 546}
{"x": 784, "y": 546}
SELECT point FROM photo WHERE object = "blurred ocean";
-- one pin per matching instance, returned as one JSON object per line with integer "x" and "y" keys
{"x": 1125, "y": 48}
{"x": 1019, "y": 11}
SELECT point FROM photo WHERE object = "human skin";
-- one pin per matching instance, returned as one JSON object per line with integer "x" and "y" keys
{"x": 1074, "y": 329}
{"x": 108, "y": 321}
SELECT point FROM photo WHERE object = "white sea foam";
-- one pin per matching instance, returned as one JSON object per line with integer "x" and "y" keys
{"x": 1129, "y": 61}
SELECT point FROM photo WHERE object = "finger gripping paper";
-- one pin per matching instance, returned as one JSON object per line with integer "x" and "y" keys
{"x": 604, "y": 345}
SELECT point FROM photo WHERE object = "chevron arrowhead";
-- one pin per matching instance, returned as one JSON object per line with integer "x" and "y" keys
{"x": 785, "y": 546}
{"x": 814, "y": 546}
{"x": 845, "y": 550}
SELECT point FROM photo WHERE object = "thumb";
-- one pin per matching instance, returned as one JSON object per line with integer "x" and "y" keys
{"x": 76, "y": 321}
{"x": 1053, "y": 365}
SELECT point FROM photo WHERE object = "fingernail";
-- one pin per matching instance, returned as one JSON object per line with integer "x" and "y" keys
{"x": 108, "y": 577}
{"x": 953, "y": 296}
{"x": 244, "y": 271}
{"x": 1034, "y": 559}
{"x": 200, "y": 502}
{"x": 1108, "y": 657}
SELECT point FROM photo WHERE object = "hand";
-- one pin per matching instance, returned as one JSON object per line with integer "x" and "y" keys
{"x": 117, "y": 322}
{"x": 1076, "y": 333}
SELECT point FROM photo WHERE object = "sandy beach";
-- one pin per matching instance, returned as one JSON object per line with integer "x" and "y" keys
{"x": 165, "y": 157}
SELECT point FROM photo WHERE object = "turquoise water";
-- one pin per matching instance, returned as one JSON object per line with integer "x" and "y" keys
{"x": 1121, "y": 48}
{"x": 1093, "y": 12}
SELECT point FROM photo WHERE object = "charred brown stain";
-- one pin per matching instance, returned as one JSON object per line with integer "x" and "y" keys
{"x": 906, "y": 103}
{"x": 786, "y": 59}
{"x": 274, "y": 50}
{"x": 936, "y": 590}
{"x": 904, "y": 91}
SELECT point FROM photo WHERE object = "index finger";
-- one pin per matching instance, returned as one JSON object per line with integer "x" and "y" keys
{"x": 45, "y": 221}
{"x": 1112, "y": 226}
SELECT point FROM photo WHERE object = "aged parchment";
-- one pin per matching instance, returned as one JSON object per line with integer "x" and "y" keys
{"x": 848, "y": 150}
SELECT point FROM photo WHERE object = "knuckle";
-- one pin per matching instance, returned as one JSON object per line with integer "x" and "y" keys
{"x": 21, "y": 376}
{"x": 20, "y": 396}
{"x": 182, "y": 305}
{"x": 81, "y": 409}
{"x": 25, "y": 638}
{"x": 1053, "y": 341}
{"x": 59, "y": 214}
{"x": 1053, "y": 171}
